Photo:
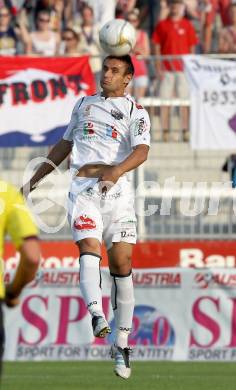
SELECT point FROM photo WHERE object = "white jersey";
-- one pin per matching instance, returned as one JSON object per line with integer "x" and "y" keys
{"x": 105, "y": 130}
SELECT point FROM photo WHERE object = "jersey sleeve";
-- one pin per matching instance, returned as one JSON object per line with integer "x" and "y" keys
{"x": 140, "y": 127}
{"x": 19, "y": 222}
{"x": 68, "y": 135}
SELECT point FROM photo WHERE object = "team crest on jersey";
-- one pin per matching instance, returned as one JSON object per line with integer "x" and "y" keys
{"x": 111, "y": 132}
{"x": 87, "y": 110}
{"x": 140, "y": 127}
{"x": 117, "y": 114}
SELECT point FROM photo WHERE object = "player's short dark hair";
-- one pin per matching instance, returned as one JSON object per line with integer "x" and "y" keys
{"x": 126, "y": 59}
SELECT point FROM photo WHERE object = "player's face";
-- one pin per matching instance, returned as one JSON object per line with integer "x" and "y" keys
{"x": 114, "y": 78}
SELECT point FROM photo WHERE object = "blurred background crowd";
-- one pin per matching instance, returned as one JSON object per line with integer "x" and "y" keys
{"x": 164, "y": 28}
{"x": 70, "y": 27}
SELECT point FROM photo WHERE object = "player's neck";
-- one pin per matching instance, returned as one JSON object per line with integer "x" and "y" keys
{"x": 110, "y": 94}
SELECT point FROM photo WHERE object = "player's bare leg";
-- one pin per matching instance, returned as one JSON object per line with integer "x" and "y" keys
{"x": 122, "y": 297}
{"x": 90, "y": 284}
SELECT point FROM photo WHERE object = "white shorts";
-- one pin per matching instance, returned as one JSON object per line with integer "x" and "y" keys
{"x": 109, "y": 217}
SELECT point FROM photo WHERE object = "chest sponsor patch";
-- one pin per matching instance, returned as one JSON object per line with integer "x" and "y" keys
{"x": 88, "y": 128}
{"x": 117, "y": 114}
{"x": 140, "y": 127}
{"x": 111, "y": 132}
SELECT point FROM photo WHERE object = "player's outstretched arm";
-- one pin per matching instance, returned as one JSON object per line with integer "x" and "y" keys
{"x": 57, "y": 154}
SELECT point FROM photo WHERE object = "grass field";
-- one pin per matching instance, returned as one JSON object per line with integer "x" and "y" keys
{"x": 99, "y": 375}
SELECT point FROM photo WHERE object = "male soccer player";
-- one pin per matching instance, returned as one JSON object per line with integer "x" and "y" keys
{"x": 109, "y": 135}
{"x": 15, "y": 220}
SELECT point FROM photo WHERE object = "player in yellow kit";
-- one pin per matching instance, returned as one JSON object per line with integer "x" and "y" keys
{"x": 16, "y": 221}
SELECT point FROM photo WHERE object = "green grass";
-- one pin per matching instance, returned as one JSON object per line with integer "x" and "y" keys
{"x": 99, "y": 375}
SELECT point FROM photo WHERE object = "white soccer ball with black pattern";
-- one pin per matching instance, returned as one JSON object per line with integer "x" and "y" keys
{"x": 117, "y": 37}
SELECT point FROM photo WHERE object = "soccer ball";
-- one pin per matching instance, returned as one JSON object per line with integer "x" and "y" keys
{"x": 117, "y": 37}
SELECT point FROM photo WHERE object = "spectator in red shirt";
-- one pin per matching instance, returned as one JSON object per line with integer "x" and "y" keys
{"x": 173, "y": 36}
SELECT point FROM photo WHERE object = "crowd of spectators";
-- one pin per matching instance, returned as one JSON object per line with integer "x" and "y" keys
{"x": 27, "y": 24}
{"x": 164, "y": 27}
{"x": 70, "y": 28}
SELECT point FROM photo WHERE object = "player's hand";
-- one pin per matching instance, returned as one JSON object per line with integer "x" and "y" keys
{"x": 11, "y": 300}
{"x": 108, "y": 178}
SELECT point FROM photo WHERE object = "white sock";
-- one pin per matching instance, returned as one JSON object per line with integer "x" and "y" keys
{"x": 90, "y": 282}
{"x": 122, "y": 299}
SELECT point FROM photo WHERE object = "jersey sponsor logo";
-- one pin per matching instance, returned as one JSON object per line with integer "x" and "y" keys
{"x": 117, "y": 114}
{"x": 111, "y": 132}
{"x": 138, "y": 106}
{"x": 88, "y": 133}
{"x": 84, "y": 223}
{"x": 88, "y": 128}
{"x": 140, "y": 127}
